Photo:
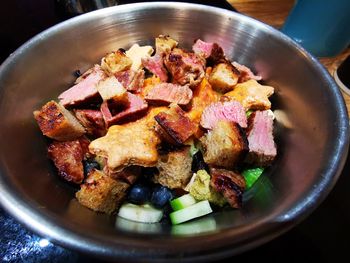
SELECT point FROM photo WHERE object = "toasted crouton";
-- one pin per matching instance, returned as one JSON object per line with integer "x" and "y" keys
{"x": 225, "y": 145}
{"x": 165, "y": 44}
{"x": 137, "y": 53}
{"x": 101, "y": 193}
{"x": 58, "y": 123}
{"x": 174, "y": 169}
{"x": 110, "y": 88}
{"x": 115, "y": 62}
{"x": 224, "y": 77}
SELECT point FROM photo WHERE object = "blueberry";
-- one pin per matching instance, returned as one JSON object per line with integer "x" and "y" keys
{"x": 161, "y": 196}
{"x": 139, "y": 194}
{"x": 90, "y": 165}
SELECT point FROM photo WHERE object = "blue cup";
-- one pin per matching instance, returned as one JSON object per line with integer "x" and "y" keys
{"x": 321, "y": 26}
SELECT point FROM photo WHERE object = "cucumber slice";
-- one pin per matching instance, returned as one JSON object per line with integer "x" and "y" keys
{"x": 252, "y": 175}
{"x": 198, "y": 226}
{"x": 140, "y": 213}
{"x": 182, "y": 202}
{"x": 199, "y": 209}
{"x": 138, "y": 227}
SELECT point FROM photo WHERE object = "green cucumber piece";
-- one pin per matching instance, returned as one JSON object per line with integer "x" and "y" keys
{"x": 140, "y": 213}
{"x": 251, "y": 175}
{"x": 138, "y": 227}
{"x": 198, "y": 226}
{"x": 182, "y": 202}
{"x": 198, "y": 209}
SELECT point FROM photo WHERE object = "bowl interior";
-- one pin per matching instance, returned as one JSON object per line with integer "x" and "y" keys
{"x": 311, "y": 130}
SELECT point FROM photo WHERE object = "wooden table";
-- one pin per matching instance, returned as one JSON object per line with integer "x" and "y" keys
{"x": 274, "y": 13}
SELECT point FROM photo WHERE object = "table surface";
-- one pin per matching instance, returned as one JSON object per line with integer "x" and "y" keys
{"x": 324, "y": 236}
{"x": 274, "y": 13}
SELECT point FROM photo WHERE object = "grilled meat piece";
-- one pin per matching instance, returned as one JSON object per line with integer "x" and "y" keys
{"x": 131, "y": 80}
{"x": 58, "y": 123}
{"x": 156, "y": 66}
{"x": 245, "y": 73}
{"x": 225, "y": 145}
{"x": 224, "y": 77}
{"x": 229, "y": 111}
{"x": 85, "y": 90}
{"x": 230, "y": 184}
{"x": 114, "y": 113}
{"x": 174, "y": 169}
{"x": 102, "y": 193}
{"x": 176, "y": 125}
{"x": 92, "y": 120}
{"x": 212, "y": 52}
{"x": 262, "y": 148}
{"x": 68, "y": 158}
{"x": 185, "y": 67}
{"x": 167, "y": 93}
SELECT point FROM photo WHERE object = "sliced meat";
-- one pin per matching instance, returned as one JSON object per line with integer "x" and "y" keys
{"x": 230, "y": 111}
{"x": 114, "y": 113}
{"x": 225, "y": 146}
{"x": 262, "y": 148}
{"x": 68, "y": 158}
{"x": 58, "y": 123}
{"x": 185, "y": 67}
{"x": 224, "y": 77}
{"x": 245, "y": 73}
{"x": 129, "y": 174}
{"x": 252, "y": 95}
{"x": 115, "y": 62}
{"x": 131, "y": 80}
{"x": 85, "y": 91}
{"x": 230, "y": 184}
{"x": 156, "y": 66}
{"x": 176, "y": 125}
{"x": 93, "y": 122}
{"x": 174, "y": 169}
{"x": 102, "y": 193}
{"x": 167, "y": 93}
{"x": 212, "y": 52}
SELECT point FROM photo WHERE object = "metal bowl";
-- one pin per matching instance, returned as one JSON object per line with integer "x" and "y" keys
{"x": 312, "y": 132}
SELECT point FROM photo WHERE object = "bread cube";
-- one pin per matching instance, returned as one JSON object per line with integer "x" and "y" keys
{"x": 115, "y": 62}
{"x": 224, "y": 77}
{"x": 174, "y": 169}
{"x": 58, "y": 123}
{"x": 111, "y": 89}
{"x": 165, "y": 44}
{"x": 102, "y": 193}
{"x": 224, "y": 145}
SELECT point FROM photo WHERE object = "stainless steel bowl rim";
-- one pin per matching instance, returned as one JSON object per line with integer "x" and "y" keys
{"x": 31, "y": 217}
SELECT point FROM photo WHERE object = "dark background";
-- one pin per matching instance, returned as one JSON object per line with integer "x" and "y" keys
{"x": 322, "y": 237}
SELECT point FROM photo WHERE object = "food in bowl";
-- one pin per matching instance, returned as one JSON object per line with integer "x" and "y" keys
{"x": 151, "y": 131}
